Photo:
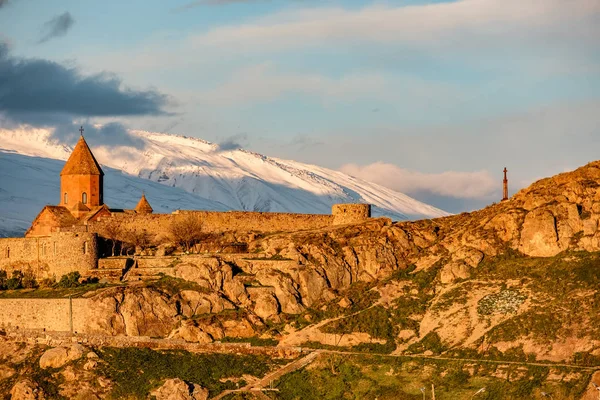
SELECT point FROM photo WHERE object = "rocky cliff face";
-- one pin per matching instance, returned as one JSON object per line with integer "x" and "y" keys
{"x": 553, "y": 215}
{"x": 470, "y": 259}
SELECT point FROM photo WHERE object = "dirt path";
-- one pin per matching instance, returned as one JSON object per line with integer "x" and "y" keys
{"x": 313, "y": 333}
{"x": 256, "y": 387}
{"x": 474, "y": 360}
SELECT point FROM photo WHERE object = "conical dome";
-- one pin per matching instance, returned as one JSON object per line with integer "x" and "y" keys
{"x": 143, "y": 207}
{"x": 82, "y": 161}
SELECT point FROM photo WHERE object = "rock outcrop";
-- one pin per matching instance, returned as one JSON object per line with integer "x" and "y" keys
{"x": 177, "y": 389}
{"x": 25, "y": 389}
{"x": 59, "y": 356}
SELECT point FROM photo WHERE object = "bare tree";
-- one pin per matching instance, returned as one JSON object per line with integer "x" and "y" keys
{"x": 112, "y": 231}
{"x": 139, "y": 239}
{"x": 186, "y": 230}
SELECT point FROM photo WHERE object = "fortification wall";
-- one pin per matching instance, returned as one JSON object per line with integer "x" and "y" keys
{"x": 56, "y": 254}
{"x": 216, "y": 222}
{"x": 49, "y": 314}
{"x": 350, "y": 213}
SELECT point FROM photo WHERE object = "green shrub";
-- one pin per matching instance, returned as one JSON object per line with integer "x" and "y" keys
{"x": 374, "y": 321}
{"x": 135, "y": 372}
{"x": 376, "y": 348}
{"x": 431, "y": 342}
{"x": 69, "y": 280}
{"x": 28, "y": 280}
{"x": 173, "y": 285}
{"x": 586, "y": 359}
{"x": 3, "y": 279}
{"x": 16, "y": 281}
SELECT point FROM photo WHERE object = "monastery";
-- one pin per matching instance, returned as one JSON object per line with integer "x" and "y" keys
{"x": 75, "y": 234}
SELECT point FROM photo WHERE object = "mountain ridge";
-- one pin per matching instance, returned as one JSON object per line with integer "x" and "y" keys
{"x": 239, "y": 179}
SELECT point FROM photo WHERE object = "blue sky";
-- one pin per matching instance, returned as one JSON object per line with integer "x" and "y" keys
{"x": 431, "y": 98}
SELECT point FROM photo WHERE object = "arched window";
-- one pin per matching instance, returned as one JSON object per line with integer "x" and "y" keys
{"x": 66, "y": 199}
{"x": 84, "y": 198}
{"x": 43, "y": 249}
{"x": 85, "y": 248}
{"x": 54, "y": 248}
{"x": 7, "y": 252}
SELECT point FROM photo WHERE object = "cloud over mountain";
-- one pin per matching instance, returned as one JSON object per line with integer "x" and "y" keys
{"x": 44, "y": 93}
{"x": 455, "y": 184}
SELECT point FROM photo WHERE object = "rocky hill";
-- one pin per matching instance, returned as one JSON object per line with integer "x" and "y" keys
{"x": 514, "y": 282}
{"x": 526, "y": 269}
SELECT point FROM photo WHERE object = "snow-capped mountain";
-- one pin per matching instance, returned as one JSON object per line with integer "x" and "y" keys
{"x": 238, "y": 179}
{"x": 27, "y": 184}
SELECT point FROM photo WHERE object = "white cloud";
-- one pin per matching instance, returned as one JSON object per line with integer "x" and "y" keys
{"x": 463, "y": 185}
{"x": 264, "y": 82}
{"x": 483, "y": 30}
{"x": 466, "y": 23}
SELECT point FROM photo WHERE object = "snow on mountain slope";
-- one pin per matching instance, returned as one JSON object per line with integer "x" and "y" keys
{"x": 27, "y": 184}
{"x": 240, "y": 179}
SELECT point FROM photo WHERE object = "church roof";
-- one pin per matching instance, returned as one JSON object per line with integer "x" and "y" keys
{"x": 61, "y": 215}
{"x": 79, "y": 206}
{"x": 82, "y": 161}
{"x": 143, "y": 207}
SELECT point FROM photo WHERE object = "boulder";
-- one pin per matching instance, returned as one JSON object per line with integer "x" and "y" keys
{"x": 345, "y": 302}
{"x": 453, "y": 271}
{"x": 90, "y": 365}
{"x": 207, "y": 272}
{"x": 195, "y": 303}
{"x": 6, "y": 372}
{"x": 470, "y": 256}
{"x": 147, "y": 312}
{"x": 539, "y": 237}
{"x": 177, "y": 389}
{"x": 59, "y": 356}
{"x": 242, "y": 328}
{"x": 286, "y": 290}
{"x": 592, "y": 392}
{"x": 190, "y": 333}
{"x": 266, "y": 305}
{"x": 26, "y": 390}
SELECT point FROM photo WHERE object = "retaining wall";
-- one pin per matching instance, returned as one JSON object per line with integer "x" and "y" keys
{"x": 48, "y": 314}
{"x": 56, "y": 254}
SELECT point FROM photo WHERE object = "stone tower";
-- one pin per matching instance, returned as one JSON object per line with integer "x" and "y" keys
{"x": 81, "y": 179}
{"x": 505, "y": 186}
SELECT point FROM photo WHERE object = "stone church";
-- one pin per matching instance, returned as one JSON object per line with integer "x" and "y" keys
{"x": 82, "y": 196}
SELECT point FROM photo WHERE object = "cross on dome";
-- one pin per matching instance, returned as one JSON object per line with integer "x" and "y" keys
{"x": 81, "y": 130}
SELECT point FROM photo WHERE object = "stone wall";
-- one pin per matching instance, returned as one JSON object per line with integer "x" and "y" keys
{"x": 56, "y": 254}
{"x": 48, "y": 314}
{"x": 350, "y": 213}
{"x": 216, "y": 222}
{"x": 241, "y": 221}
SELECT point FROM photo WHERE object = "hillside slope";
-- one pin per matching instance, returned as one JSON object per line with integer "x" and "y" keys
{"x": 239, "y": 179}
{"x": 516, "y": 278}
